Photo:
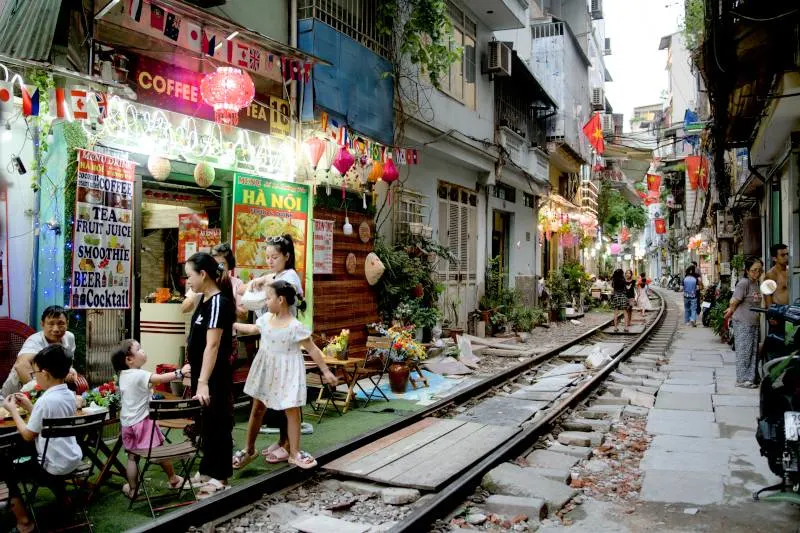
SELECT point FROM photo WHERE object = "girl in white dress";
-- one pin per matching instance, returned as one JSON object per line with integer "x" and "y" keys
{"x": 277, "y": 377}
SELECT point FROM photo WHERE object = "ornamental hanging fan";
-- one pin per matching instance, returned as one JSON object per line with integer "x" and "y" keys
{"x": 227, "y": 90}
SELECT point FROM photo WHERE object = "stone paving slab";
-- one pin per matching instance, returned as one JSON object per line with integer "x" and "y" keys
{"x": 502, "y": 410}
{"x": 536, "y": 395}
{"x": 563, "y": 370}
{"x": 689, "y": 461}
{"x": 684, "y": 401}
{"x": 697, "y": 389}
{"x": 553, "y": 384}
{"x": 685, "y": 423}
{"x": 551, "y": 459}
{"x": 745, "y": 417}
{"x": 512, "y": 480}
{"x": 676, "y": 486}
{"x": 731, "y": 400}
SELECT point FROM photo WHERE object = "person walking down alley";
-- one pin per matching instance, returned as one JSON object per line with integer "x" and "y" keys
{"x": 744, "y": 322}
{"x": 619, "y": 298}
{"x": 690, "y": 297}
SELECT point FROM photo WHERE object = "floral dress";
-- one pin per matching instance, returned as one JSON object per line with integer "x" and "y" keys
{"x": 277, "y": 376}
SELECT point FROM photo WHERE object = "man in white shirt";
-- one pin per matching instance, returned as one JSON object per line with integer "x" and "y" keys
{"x": 54, "y": 331}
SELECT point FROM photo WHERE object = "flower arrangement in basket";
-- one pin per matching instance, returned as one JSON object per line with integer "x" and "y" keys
{"x": 32, "y": 390}
{"x": 337, "y": 347}
{"x": 106, "y": 395}
{"x": 404, "y": 346}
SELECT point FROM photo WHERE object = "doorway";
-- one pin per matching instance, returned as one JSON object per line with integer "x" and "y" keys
{"x": 501, "y": 235}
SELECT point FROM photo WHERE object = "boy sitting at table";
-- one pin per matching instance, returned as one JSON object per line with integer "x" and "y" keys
{"x": 50, "y": 367}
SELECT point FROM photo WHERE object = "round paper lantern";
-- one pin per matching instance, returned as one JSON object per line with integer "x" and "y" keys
{"x": 390, "y": 173}
{"x": 204, "y": 174}
{"x": 315, "y": 148}
{"x": 227, "y": 90}
{"x": 376, "y": 173}
{"x": 159, "y": 167}
{"x": 615, "y": 248}
{"x": 343, "y": 161}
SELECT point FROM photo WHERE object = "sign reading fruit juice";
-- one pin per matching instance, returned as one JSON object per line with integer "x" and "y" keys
{"x": 265, "y": 208}
{"x": 101, "y": 243}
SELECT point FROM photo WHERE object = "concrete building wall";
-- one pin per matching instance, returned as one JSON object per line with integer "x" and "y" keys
{"x": 267, "y": 18}
{"x": 682, "y": 80}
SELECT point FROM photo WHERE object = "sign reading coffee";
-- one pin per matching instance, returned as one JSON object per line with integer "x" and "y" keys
{"x": 101, "y": 242}
{"x": 177, "y": 89}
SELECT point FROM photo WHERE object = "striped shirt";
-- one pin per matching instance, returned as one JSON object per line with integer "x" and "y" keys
{"x": 218, "y": 312}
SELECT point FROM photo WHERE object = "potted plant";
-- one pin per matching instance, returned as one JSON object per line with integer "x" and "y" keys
{"x": 557, "y": 291}
{"x": 403, "y": 349}
{"x": 452, "y": 330}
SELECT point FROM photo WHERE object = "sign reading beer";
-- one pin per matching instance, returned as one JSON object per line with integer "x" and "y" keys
{"x": 264, "y": 208}
{"x": 177, "y": 89}
{"x": 101, "y": 242}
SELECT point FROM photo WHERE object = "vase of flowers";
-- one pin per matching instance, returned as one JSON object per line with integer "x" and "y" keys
{"x": 106, "y": 395}
{"x": 337, "y": 347}
{"x": 404, "y": 348}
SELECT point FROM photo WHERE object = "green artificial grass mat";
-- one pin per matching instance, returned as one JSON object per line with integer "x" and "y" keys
{"x": 109, "y": 510}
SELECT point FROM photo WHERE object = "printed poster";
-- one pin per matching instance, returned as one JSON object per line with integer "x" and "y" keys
{"x": 101, "y": 253}
{"x": 5, "y": 282}
{"x": 323, "y": 246}
{"x": 209, "y": 238}
{"x": 264, "y": 208}
{"x": 189, "y": 227}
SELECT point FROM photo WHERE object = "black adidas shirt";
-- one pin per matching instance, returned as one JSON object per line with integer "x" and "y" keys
{"x": 218, "y": 312}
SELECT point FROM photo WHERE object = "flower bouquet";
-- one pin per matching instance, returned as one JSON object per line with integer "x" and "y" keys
{"x": 32, "y": 390}
{"x": 337, "y": 347}
{"x": 106, "y": 395}
{"x": 404, "y": 346}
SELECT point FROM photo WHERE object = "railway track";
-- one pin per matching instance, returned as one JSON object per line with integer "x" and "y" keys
{"x": 456, "y": 488}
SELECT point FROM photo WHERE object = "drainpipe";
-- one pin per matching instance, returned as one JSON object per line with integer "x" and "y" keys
{"x": 33, "y": 317}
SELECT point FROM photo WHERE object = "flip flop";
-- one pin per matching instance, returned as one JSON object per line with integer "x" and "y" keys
{"x": 241, "y": 459}
{"x": 276, "y": 454}
{"x": 303, "y": 460}
{"x": 209, "y": 488}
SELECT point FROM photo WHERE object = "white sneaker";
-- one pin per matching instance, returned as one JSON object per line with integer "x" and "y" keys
{"x": 306, "y": 428}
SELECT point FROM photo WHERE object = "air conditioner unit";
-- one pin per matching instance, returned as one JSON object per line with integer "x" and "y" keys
{"x": 598, "y": 99}
{"x": 607, "y": 47}
{"x": 499, "y": 62}
{"x": 597, "y": 9}
{"x": 608, "y": 124}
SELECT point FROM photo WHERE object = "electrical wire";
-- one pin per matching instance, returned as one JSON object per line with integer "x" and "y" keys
{"x": 767, "y": 19}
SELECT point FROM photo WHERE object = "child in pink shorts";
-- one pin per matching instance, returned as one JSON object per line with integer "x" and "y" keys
{"x": 137, "y": 427}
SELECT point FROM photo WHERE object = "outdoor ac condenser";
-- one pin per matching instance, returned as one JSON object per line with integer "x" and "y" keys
{"x": 499, "y": 61}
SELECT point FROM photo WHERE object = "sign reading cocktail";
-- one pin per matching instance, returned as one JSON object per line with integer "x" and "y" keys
{"x": 101, "y": 243}
{"x": 265, "y": 208}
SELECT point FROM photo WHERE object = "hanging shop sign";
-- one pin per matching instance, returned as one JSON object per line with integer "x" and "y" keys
{"x": 264, "y": 208}
{"x": 323, "y": 246}
{"x": 101, "y": 243}
{"x": 177, "y": 89}
{"x": 5, "y": 284}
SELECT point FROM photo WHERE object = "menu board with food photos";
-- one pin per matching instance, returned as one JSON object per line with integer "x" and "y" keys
{"x": 101, "y": 242}
{"x": 264, "y": 208}
{"x": 194, "y": 235}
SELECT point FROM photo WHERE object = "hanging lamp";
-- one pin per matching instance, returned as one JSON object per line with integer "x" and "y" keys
{"x": 227, "y": 90}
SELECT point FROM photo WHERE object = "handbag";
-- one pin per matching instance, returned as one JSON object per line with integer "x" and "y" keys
{"x": 254, "y": 300}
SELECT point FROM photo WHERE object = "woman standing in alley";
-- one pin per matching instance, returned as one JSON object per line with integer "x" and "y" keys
{"x": 208, "y": 350}
{"x": 744, "y": 322}
{"x": 619, "y": 298}
{"x": 642, "y": 297}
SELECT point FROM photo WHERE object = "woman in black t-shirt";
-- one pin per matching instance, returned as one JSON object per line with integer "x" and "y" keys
{"x": 208, "y": 352}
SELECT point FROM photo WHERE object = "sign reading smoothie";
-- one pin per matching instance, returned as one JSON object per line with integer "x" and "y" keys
{"x": 265, "y": 208}
{"x": 101, "y": 243}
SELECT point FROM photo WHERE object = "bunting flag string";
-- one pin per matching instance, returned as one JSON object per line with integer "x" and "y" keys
{"x": 344, "y": 136}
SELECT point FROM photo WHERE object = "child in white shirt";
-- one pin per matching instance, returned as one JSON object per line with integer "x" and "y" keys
{"x": 135, "y": 392}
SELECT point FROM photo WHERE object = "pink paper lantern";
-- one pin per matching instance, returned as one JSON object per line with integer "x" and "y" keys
{"x": 615, "y": 248}
{"x": 390, "y": 173}
{"x": 316, "y": 148}
{"x": 343, "y": 161}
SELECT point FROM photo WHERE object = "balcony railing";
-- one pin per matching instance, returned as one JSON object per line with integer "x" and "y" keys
{"x": 512, "y": 109}
{"x": 355, "y": 18}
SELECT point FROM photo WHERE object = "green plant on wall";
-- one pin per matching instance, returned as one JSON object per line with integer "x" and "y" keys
{"x": 693, "y": 24}
{"x": 41, "y": 123}
{"x": 614, "y": 211}
{"x": 737, "y": 264}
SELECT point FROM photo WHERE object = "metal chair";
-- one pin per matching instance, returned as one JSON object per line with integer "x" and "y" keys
{"x": 87, "y": 430}
{"x": 327, "y": 393}
{"x": 184, "y": 452}
{"x": 380, "y": 347}
{"x": 10, "y": 442}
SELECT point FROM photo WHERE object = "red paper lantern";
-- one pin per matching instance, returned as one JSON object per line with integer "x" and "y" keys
{"x": 661, "y": 226}
{"x": 227, "y": 90}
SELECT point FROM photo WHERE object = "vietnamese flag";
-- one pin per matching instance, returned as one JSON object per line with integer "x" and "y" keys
{"x": 697, "y": 171}
{"x": 653, "y": 182}
{"x": 594, "y": 132}
{"x": 661, "y": 226}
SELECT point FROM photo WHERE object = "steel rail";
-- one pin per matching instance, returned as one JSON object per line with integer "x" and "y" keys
{"x": 459, "y": 489}
{"x": 251, "y": 491}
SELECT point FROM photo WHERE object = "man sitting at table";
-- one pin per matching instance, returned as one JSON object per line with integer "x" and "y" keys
{"x": 50, "y": 366}
{"x": 54, "y": 331}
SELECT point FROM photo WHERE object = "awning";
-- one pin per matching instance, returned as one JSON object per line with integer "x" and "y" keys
{"x": 28, "y": 28}
{"x": 537, "y": 91}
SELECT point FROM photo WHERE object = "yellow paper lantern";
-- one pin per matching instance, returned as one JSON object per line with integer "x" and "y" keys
{"x": 159, "y": 167}
{"x": 204, "y": 174}
{"x": 376, "y": 173}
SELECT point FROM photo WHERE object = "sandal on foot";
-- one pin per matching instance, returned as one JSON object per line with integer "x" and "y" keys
{"x": 127, "y": 491}
{"x": 209, "y": 488}
{"x": 177, "y": 484}
{"x": 303, "y": 460}
{"x": 241, "y": 459}
{"x": 276, "y": 454}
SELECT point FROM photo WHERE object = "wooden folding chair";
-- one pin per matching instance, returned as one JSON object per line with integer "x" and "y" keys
{"x": 183, "y": 452}
{"x": 326, "y": 396}
{"x": 87, "y": 430}
{"x": 379, "y": 348}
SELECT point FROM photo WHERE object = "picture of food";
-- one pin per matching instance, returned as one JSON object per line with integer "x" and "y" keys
{"x": 84, "y": 214}
{"x": 246, "y": 252}
{"x": 91, "y": 241}
{"x": 277, "y": 226}
{"x": 86, "y": 264}
{"x": 247, "y": 226}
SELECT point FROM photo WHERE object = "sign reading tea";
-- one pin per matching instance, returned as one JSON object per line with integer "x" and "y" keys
{"x": 101, "y": 243}
{"x": 265, "y": 208}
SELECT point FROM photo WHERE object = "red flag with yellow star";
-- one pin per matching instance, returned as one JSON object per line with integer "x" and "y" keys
{"x": 697, "y": 170}
{"x": 594, "y": 131}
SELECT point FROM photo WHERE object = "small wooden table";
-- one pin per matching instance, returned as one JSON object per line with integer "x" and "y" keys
{"x": 347, "y": 369}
